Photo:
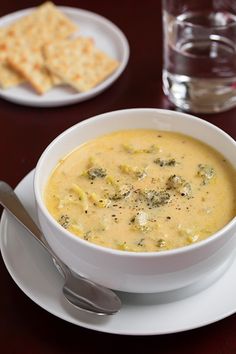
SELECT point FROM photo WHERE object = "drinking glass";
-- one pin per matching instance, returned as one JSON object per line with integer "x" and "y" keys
{"x": 199, "y": 69}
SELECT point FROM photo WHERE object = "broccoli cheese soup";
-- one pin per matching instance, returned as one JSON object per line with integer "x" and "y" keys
{"x": 142, "y": 190}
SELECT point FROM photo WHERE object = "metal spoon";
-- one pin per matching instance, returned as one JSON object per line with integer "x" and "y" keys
{"x": 79, "y": 291}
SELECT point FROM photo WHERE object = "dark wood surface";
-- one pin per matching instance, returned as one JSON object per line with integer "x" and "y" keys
{"x": 25, "y": 132}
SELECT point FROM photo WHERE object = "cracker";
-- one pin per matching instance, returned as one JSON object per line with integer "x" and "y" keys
{"x": 30, "y": 64}
{"x": 79, "y": 63}
{"x": 44, "y": 24}
{"x": 8, "y": 76}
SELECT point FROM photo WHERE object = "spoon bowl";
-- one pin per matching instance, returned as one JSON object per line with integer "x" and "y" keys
{"x": 79, "y": 291}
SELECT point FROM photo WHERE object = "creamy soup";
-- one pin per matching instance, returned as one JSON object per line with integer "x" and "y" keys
{"x": 142, "y": 190}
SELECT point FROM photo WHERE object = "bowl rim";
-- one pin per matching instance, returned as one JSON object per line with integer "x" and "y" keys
{"x": 165, "y": 253}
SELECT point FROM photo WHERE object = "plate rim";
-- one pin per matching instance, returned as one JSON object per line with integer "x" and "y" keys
{"x": 77, "y": 97}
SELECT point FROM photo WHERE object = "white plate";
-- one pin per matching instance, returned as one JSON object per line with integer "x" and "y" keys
{"x": 34, "y": 272}
{"x": 108, "y": 37}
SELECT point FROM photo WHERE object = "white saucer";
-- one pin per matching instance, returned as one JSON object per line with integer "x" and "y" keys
{"x": 108, "y": 37}
{"x": 34, "y": 272}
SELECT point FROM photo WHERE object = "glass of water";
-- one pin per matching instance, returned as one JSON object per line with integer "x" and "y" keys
{"x": 199, "y": 70}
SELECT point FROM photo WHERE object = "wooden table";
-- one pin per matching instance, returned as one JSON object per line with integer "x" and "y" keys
{"x": 26, "y": 131}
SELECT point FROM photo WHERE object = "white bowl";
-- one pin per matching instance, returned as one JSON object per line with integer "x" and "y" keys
{"x": 128, "y": 271}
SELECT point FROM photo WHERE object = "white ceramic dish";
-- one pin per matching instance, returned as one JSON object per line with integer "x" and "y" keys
{"x": 108, "y": 37}
{"x": 35, "y": 274}
{"x": 129, "y": 271}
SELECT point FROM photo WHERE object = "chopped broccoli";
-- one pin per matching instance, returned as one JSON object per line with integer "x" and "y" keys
{"x": 206, "y": 172}
{"x": 164, "y": 163}
{"x": 161, "y": 243}
{"x": 156, "y": 199}
{"x": 179, "y": 184}
{"x": 96, "y": 172}
{"x": 64, "y": 221}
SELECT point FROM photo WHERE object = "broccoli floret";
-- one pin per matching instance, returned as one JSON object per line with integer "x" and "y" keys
{"x": 96, "y": 172}
{"x": 179, "y": 184}
{"x": 156, "y": 199}
{"x": 206, "y": 172}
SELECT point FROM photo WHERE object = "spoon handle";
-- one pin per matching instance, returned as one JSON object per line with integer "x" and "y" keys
{"x": 10, "y": 201}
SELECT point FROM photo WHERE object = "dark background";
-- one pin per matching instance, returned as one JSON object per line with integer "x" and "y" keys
{"x": 25, "y": 132}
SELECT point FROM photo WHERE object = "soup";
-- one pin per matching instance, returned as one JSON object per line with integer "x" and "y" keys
{"x": 142, "y": 191}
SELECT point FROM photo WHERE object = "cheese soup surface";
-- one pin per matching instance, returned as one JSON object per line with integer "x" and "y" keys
{"x": 142, "y": 190}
